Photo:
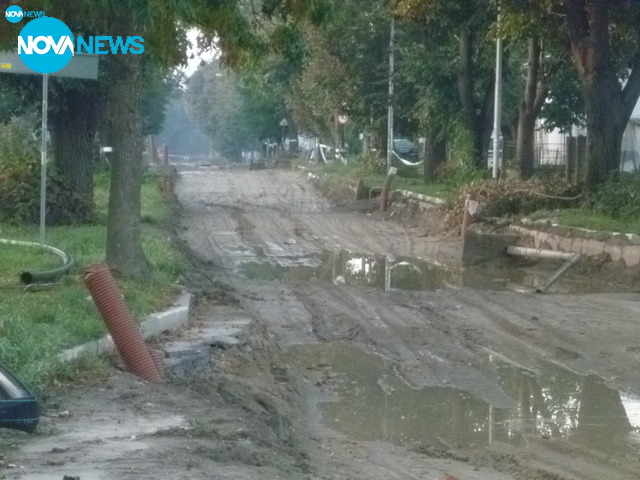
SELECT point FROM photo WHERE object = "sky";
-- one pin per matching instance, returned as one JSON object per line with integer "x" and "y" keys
{"x": 194, "y": 63}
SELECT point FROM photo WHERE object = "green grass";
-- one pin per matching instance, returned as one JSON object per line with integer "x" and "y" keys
{"x": 36, "y": 325}
{"x": 584, "y": 218}
{"x": 409, "y": 179}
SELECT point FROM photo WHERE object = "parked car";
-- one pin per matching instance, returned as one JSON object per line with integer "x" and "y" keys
{"x": 405, "y": 148}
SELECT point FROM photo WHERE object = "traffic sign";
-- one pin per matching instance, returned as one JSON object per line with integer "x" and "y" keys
{"x": 80, "y": 66}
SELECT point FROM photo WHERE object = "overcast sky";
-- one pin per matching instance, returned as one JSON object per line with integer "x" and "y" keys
{"x": 194, "y": 63}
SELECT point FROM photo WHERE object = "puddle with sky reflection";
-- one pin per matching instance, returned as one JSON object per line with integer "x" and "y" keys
{"x": 384, "y": 272}
{"x": 374, "y": 403}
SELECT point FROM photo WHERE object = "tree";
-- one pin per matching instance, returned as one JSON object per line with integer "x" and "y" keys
{"x": 321, "y": 89}
{"x": 464, "y": 28}
{"x": 605, "y": 49}
{"x": 73, "y": 125}
{"x": 532, "y": 32}
{"x": 218, "y": 105}
{"x": 165, "y": 39}
{"x": 424, "y": 61}
{"x": 162, "y": 25}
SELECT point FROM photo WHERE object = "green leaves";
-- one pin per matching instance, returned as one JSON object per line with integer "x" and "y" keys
{"x": 215, "y": 100}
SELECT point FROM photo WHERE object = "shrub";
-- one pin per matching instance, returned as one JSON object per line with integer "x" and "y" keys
{"x": 20, "y": 181}
{"x": 619, "y": 198}
{"x": 373, "y": 163}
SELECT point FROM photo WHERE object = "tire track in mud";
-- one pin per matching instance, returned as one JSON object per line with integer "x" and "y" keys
{"x": 434, "y": 338}
{"x": 277, "y": 207}
{"x": 429, "y": 347}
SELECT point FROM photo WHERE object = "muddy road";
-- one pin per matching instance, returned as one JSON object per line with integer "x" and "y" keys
{"x": 355, "y": 347}
{"x": 393, "y": 346}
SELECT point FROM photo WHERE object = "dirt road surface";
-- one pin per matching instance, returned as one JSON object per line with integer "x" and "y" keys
{"x": 361, "y": 350}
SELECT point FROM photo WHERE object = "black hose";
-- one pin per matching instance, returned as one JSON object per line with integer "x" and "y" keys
{"x": 28, "y": 277}
{"x": 46, "y": 276}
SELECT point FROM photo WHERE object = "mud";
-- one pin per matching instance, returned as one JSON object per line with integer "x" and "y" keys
{"x": 366, "y": 352}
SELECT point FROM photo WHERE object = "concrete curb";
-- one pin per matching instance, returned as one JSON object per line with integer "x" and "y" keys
{"x": 629, "y": 253}
{"x": 421, "y": 197}
{"x": 154, "y": 324}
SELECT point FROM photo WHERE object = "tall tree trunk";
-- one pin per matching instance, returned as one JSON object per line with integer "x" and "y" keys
{"x": 535, "y": 93}
{"x": 608, "y": 106}
{"x": 478, "y": 118}
{"x": 605, "y": 128}
{"x": 435, "y": 155}
{"x": 73, "y": 128}
{"x": 525, "y": 149}
{"x": 124, "y": 247}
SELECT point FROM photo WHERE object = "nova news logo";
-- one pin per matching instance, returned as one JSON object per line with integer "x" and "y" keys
{"x": 14, "y": 14}
{"x": 46, "y": 45}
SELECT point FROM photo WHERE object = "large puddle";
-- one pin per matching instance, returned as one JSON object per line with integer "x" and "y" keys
{"x": 369, "y": 401}
{"x": 384, "y": 272}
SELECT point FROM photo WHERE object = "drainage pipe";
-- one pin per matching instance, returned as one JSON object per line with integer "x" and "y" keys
{"x": 539, "y": 253}
{"x": 570, "y": 258}
{"x": 559, "y": 273}
{"x": 28, "y": 277}
{"x": 126, "y": 336}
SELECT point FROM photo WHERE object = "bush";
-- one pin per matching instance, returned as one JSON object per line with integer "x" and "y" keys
{"x": 373, "y": 163}
{"x": 18, "y": 150}
{"x": 20, "y": 181}
{"x": 619, "y": 198}
{"x": 456, "y": 176}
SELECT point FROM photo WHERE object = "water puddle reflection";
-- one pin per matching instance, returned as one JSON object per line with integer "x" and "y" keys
{"x": 373, "y": 403}
{"x": 384, "y": 272}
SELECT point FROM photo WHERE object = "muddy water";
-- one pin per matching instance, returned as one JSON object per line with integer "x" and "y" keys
{"x": 367, "y": 400}
{"x": 384, "y": 272}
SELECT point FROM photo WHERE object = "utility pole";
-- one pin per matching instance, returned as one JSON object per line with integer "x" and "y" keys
{"x": 497, "y": 105}
{"x": 43, "y": 156}
{"x": 390, "y": 111}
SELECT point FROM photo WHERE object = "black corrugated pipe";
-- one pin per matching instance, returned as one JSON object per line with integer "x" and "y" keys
{"x": 28, "y": 277}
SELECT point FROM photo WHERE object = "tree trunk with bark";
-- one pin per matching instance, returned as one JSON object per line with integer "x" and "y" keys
{"x": 534, "y": 95}
{"x": 435, "y": 155}
{"x": 477, "y": 117}
{"x": 608, "y": 105}
{"x": 124, "y": 245}
{"x": 73, "y": 129}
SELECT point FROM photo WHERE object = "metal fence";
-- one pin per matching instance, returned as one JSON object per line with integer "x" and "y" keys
{"x": 550, "y": 154}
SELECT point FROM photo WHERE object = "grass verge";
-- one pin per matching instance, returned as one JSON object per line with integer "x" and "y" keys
{"x": 36, "y": 325}
{"x": 336, "y": 175}
{"x": 584, "y": 218}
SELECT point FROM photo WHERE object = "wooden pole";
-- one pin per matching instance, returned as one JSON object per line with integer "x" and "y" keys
{"x": 467, "y": 219}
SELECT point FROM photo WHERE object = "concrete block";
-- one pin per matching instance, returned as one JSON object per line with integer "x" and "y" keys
{"x": 483, "y": 247}
{"x": 171, "y": 319}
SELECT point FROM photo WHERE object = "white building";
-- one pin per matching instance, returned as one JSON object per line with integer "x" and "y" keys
{"x": 551, "y": 146}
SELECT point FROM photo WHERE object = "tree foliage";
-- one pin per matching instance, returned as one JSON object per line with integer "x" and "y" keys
{"x": 216, "y": 104}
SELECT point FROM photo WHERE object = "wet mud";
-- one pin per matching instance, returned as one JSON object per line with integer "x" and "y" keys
{"x": 367, "y": 352}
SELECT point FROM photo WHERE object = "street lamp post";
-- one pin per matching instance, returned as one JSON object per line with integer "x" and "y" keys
{"x": 497, "y": 107}
{"x": 390, "y": 110}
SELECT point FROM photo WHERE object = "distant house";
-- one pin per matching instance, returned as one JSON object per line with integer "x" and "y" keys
{"x": 630, "y": 157}
{"x": 551, "y": 146}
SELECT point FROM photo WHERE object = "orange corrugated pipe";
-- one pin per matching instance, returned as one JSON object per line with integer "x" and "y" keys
{"x": 126, "y": 336}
